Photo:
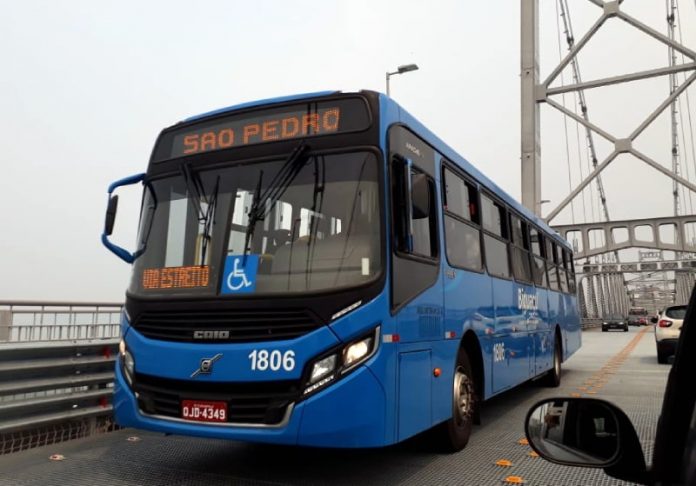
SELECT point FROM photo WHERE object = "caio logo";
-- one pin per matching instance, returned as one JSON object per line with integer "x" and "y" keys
{"x": 211, "y": 334}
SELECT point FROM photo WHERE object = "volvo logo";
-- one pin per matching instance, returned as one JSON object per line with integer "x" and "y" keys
{"x": 206, "y": 366}
{"x": 211, "y": 334}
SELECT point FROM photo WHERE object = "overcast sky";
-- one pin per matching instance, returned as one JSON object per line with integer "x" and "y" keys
{"x": 86, "y": 86}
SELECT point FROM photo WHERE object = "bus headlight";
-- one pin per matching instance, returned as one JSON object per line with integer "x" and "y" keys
{"x": 127, "y": 362}
{"x": 327, "y": 368}
{"x": 354, "y": 354}
{"x": 322, "y": 368}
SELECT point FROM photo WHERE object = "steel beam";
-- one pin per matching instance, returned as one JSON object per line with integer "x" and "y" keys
{"x": 607, "y": 228}
{"x": 668, "y": 101}
{"x": 574, "y": 51}
{"x": 624, "y": 78}
{"x": 639, "y": 267}
{"x": 530, "y": 121}
{"x": 582, "y": 121}
{"x": 610, "y": 158}
{"x": 591, "y": 298}
{"x": 656, "y": 35}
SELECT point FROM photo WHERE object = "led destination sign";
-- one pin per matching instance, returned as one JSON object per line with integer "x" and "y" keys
{"x": 268, "y": 125}
{"x": 176, "y": 277}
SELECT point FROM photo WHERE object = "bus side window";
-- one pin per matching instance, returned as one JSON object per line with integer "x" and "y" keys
{"x": 568, "y": 263}
{"x": 562, "y": 272}
{"x": 495, "y": 237}
{"x": 554, "y": 282}
{"x": 519, "y": 250}
{"x": 460, "y": 197}
{"x": 425, "y": 225}
{"x": 538, "y": 261}
{"x": 420, "y": 229}
{"x": 461, "y": 215}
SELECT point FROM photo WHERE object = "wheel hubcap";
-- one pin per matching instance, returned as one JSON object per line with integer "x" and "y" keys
{"x": 463, "y": 396}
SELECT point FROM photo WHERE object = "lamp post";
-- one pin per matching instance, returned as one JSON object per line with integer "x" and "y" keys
{"x": 401, "y": 70}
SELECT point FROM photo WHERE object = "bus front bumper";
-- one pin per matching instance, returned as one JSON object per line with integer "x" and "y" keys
{"x": 349, "y": 413}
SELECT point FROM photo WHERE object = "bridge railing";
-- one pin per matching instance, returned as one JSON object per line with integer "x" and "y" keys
{"x": 22, "y": 321}
{"x": 53, "y": 391}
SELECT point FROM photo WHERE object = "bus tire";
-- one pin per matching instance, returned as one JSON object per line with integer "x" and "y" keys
{"x": 453, "y": 434}
{"x": 552, "y": 379}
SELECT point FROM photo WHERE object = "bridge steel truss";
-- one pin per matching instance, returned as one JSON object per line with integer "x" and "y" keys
{"x": 534, "y": 92}
{"x": 605, "y": 292}
{"x": 607, "y": 232}
{"x": 603, "y": 289}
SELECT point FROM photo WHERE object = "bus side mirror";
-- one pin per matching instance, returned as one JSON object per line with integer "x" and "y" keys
{"x": 111, "y": 208}
{"x": 110, "y": 218}
{"x": 420, "y": 196}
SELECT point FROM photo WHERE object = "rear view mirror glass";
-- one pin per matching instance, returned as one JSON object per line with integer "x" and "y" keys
{"x": 576, "y": 432}
{"x": 111, "y": 215}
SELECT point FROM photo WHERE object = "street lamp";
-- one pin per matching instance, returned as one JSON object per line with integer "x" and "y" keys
{"x": 401, "y": 70}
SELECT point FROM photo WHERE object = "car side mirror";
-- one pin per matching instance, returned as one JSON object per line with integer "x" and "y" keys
{"x": 653, "y": 320}
{"x": 420, "y": 196}
{"x": 588, "y": 433}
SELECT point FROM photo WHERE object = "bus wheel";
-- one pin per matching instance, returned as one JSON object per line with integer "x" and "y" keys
{"x": 453, "y": 434}
{"x": 553, "y": 376}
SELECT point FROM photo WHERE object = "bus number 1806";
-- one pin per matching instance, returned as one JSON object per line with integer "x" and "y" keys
{"x": 262, "y": 360}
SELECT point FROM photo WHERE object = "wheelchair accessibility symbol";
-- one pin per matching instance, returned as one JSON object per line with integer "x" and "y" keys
{"x": 240, "y": 275}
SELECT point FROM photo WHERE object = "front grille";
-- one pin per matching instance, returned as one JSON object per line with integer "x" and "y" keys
{"x": 247, "y": 403}
{"x": 236, "y": 326}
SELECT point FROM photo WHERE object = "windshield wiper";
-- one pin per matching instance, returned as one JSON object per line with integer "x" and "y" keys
{"x": 252, "y": 216}
{"x": 194, "y": 186}
{"x": 317, "y": 203}
{"x": 276, "y": 188}
{"x": 208, "y": 220}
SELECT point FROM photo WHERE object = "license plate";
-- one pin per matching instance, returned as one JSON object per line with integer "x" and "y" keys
{"x": 204, "y": 411}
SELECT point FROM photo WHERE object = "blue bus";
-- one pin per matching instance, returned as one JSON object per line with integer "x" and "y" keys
{"x": 322, "y": 270}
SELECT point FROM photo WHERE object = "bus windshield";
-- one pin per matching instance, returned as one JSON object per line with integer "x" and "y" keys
{"x": 316, "y": 226}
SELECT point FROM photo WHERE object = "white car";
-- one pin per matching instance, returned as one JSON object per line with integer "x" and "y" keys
{"x": 667, "y": 329}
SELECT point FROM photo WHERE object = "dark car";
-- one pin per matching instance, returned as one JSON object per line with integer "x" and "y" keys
{"x": 595, "y": 433}
{"x": 614, "y": 321}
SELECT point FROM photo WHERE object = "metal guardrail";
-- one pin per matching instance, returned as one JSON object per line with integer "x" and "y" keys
{"x": 22, "y": 321}
{"x": 50, "y": 390}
